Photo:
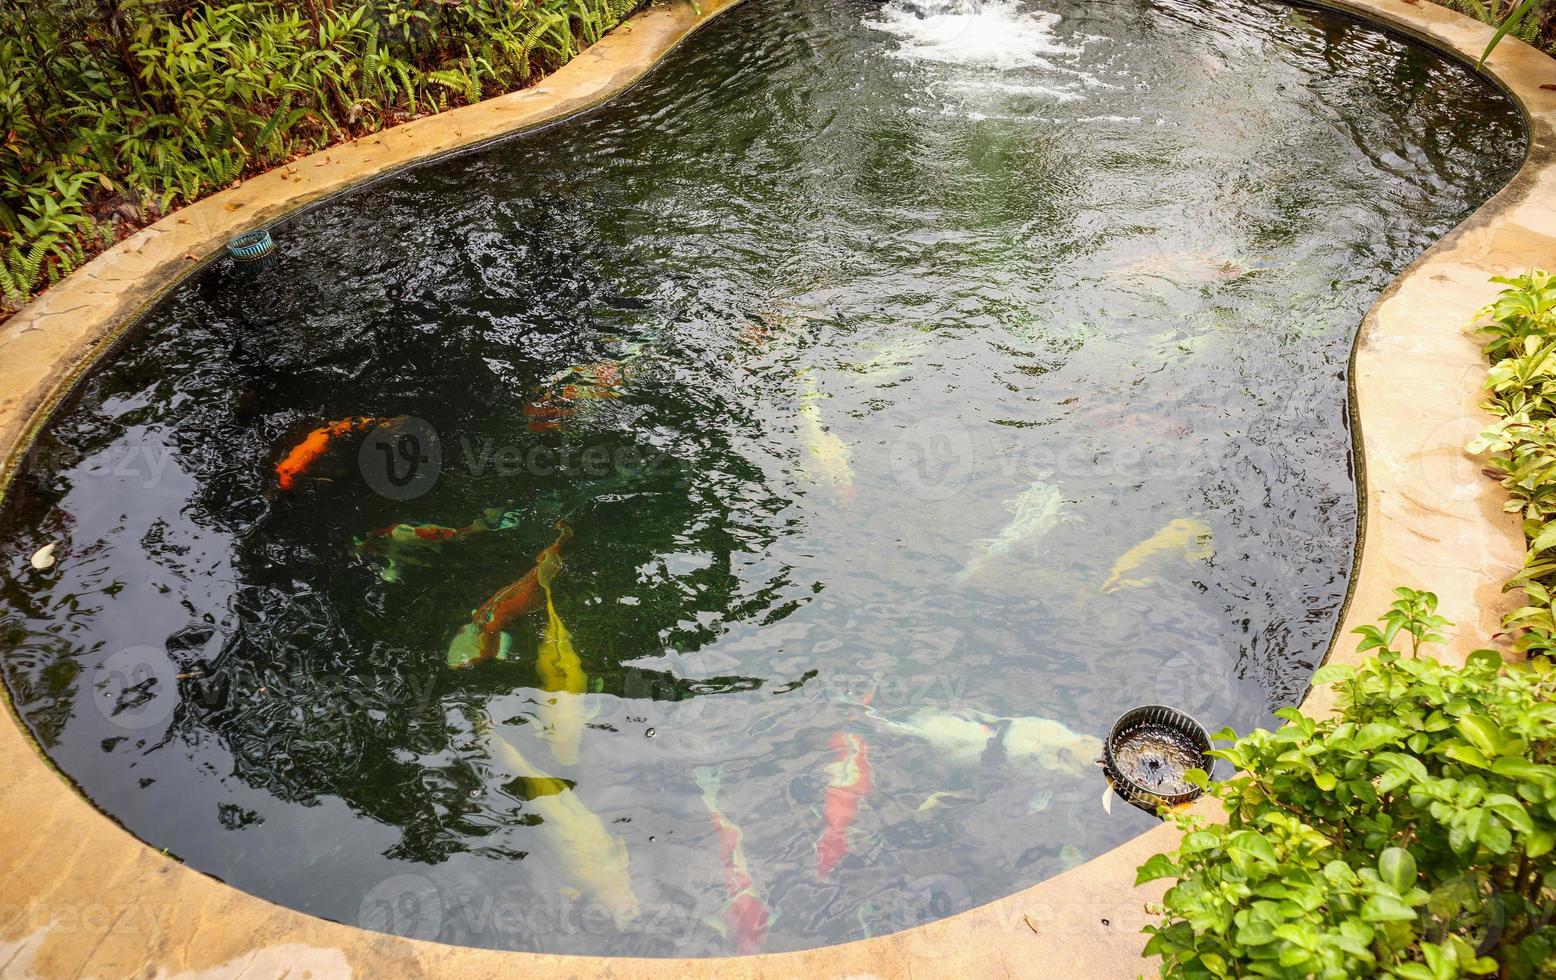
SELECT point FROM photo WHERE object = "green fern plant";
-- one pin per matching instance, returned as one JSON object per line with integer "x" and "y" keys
{"x": 22, "y": 271}
{"x": 151, "y": 104}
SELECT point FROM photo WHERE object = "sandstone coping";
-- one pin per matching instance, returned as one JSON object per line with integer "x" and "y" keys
{"x": 85, "y": 898}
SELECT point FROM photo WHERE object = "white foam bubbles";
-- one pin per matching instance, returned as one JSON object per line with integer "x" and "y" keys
{"x": 995, "y": 33}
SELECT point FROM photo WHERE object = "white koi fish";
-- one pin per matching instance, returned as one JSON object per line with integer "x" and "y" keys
{"x": 966, "y": 739}
{"x": 1034, "y": 513}
{"x": 894, "y": 359}
{"x": 594, "y": 859}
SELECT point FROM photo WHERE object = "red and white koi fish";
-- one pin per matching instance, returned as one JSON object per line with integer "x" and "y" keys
{"x": 434, "y": 534}
{"x": 400, "y": 543}
{"x": 745, "y": 916}
{"x": 484, "y": 637}
{"x": 558, "y": 400}
{"x": 851, "y": 782}
{"x": 317, "y": 443}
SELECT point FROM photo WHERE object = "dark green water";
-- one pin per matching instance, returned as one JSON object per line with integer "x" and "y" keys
{"x": 878, "y": 276}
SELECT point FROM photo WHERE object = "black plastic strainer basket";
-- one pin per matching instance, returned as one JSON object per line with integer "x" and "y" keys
{"x": 1147, "y": 752}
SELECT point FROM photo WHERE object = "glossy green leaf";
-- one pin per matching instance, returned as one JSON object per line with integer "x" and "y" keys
{"x": 1482, "y": 733}
{"x": 1386, "y": 908}
{"x": 1397, "y": 869}
{"x": 1510, "y": 24}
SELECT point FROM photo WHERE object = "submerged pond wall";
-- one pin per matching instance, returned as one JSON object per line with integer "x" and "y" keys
{"x": 88, "y": 898}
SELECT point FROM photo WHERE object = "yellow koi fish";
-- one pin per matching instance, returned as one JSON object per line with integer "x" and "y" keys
{"x": 561, "y": 674}
{"x": 827, "y": 458}
{"x": 1189, "y": 537}
{"x": 594, "y": 859}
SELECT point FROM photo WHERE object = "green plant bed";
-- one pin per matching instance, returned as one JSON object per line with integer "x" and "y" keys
{"x": 114, "y": 112}
{"x": 1408, "y": 836}
{"x": 1521, "y": 331}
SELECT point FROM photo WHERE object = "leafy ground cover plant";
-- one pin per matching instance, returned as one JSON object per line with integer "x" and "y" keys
{"x": 1520, "y": 332}
{"x": 113, "y": 112}
{"x": 1410, "y": 835}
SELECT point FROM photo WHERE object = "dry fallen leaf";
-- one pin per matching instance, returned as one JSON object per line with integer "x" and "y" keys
{"x": 233, "y": 205}
{"x": 1030, "y": 924}
{"x": 1549, "y": 88}
{"x": 190, "y": 257}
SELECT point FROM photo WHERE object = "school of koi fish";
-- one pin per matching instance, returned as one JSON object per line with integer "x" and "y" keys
{"x": 595, "y": 860}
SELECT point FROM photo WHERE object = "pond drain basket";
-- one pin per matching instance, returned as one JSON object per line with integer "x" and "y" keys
{"x": 252, "y": 246}
{"x": 1147, "y": 752}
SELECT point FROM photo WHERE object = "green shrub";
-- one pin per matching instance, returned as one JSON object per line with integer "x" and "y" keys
{"x": 1520, "y": 327}
{"x": 1408, "y": 836}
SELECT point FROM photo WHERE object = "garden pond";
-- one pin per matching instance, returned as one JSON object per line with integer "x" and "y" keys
{"x": 728, "y": 521}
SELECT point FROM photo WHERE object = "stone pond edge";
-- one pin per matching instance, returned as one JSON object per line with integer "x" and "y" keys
{"x": 82, "y": 897}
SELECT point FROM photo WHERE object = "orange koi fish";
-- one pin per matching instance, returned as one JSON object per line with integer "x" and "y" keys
{"x": 317, "y": 443}
{"x": 851, "y": 782}
{"x": 483, "y": 637}
{"x": 745, "y": 917}
{"x": 602, "y": 374}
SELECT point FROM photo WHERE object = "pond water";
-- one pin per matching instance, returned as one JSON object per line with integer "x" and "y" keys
{"x": 920, "y": 390}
